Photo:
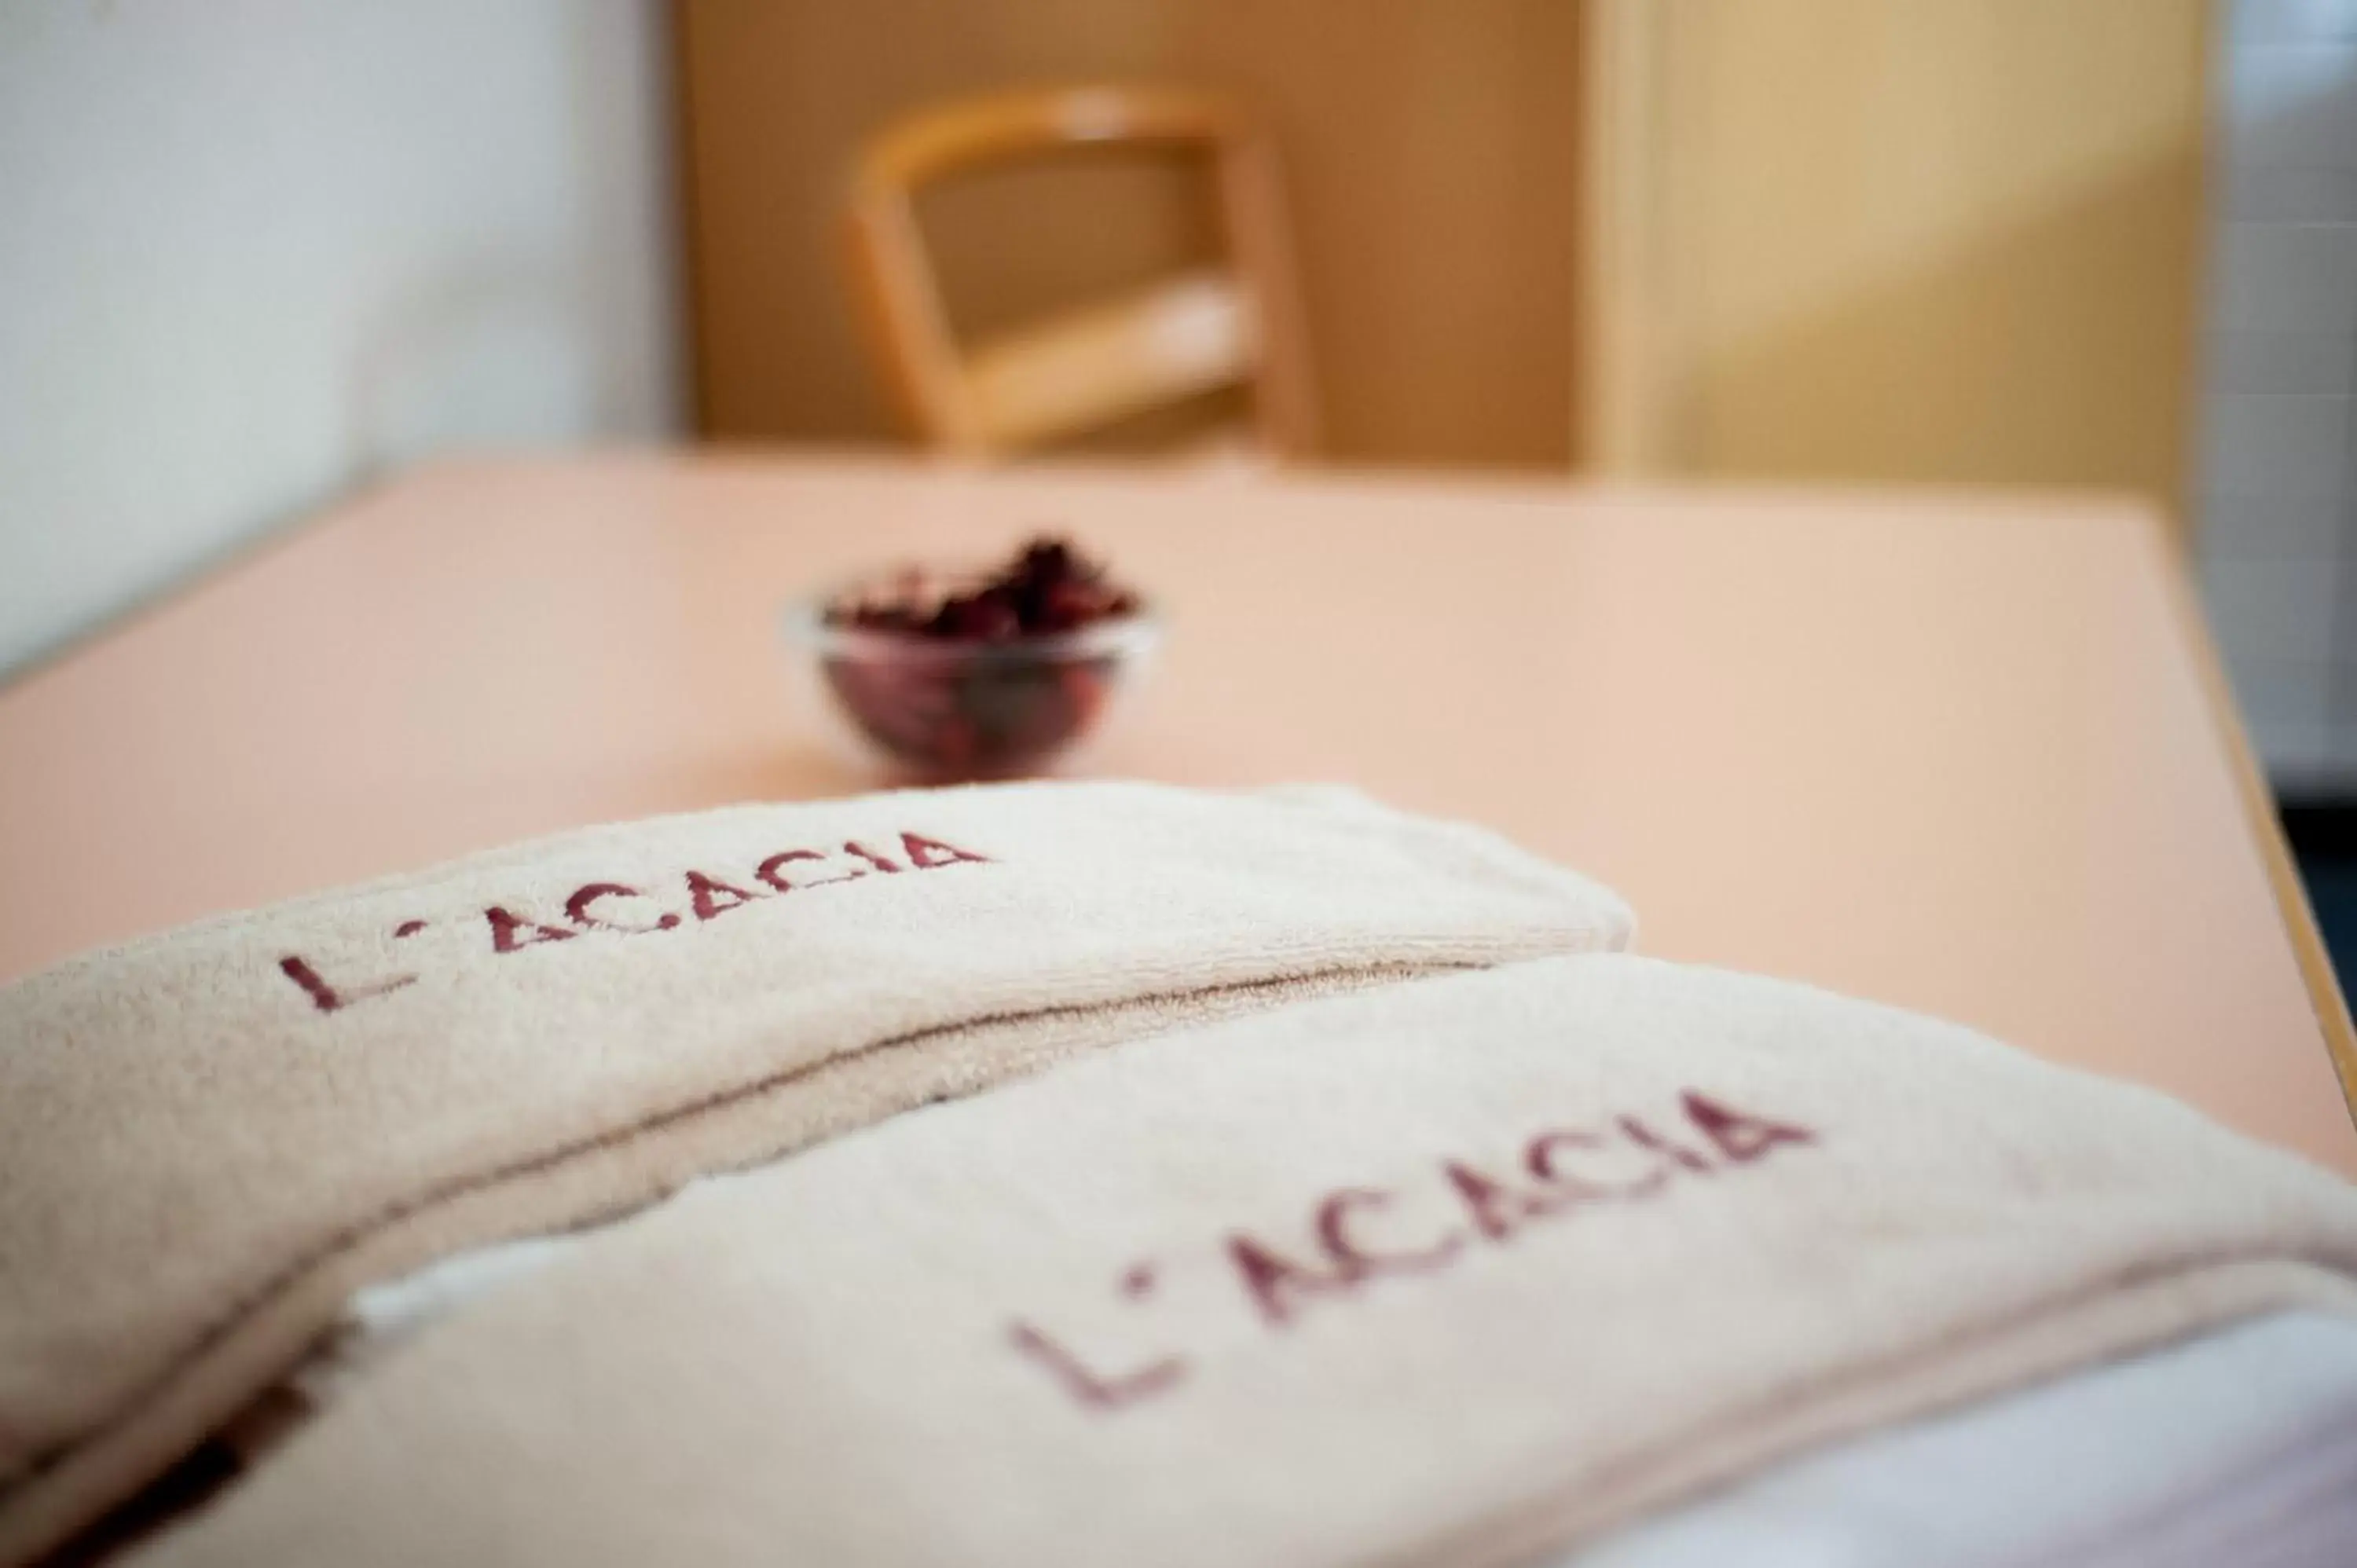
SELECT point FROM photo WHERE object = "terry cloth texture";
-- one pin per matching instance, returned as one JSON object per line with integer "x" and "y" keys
{"x": 210, "y": 1139}
{"x": 1455, "y": 1272}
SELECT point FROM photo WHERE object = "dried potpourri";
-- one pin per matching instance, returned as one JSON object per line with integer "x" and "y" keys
{"x": 1049, "y": 587}
{"x": 1019, "y": 697}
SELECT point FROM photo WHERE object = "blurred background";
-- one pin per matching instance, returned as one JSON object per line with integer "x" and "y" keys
{"x": 257, "y": 252}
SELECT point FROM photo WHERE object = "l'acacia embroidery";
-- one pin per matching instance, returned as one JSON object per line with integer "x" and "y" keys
{"x": 1358, "y": 1236}
{"x": 619, "y": 909}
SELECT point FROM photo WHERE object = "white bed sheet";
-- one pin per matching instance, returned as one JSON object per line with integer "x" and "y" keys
{"x": 2236, "y": 1448}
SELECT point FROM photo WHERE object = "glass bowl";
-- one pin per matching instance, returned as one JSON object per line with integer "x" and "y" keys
{"x": 938, "y": 709}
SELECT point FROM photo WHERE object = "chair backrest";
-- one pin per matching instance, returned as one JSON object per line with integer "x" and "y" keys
{"x": 1087, "y": 368}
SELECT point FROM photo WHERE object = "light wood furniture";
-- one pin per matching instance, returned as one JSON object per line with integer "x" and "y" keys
{"x": 1431, "y": 171}
{"x": 1962, "y": 753}
{"x": 1951, "y": 240}
{"x": 1111, "y": 360}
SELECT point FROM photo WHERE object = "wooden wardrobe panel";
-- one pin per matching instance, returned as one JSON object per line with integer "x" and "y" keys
{"x": 1949, "y": 240}
{"x": 1430, "y": 154}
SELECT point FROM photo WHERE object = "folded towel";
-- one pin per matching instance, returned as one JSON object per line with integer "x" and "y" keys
{"x": 208, "y": 1140}
{"x": 1459, "y": 1271}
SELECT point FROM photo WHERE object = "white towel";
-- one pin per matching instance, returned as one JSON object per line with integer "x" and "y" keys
{"x": 210, "y": 1139}
{"x": 1461, "y": 1271}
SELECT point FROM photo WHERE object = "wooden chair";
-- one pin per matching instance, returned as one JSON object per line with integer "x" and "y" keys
{"x": 1090, "y": 367}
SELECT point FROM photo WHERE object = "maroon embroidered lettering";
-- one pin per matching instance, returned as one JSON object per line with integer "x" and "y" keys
{"x": 1268, "y": 1277}
{"x": 1351, "y": 1260}
{"x": 1620, "y": 1162}
{"x": 1544, "y": 1159}
{"x": 1644, "y": 1137}
{"x": 705, "y": 892}
{"x": 1738, "y": 1136}
{"x": 925, "y": 853}
{"x": 327, "y": 998}
{"x": 581, "y": 909}
{"x": 509, "y": 931}
{"x": 1086, "y": 1387}
{"x": 1495, "y": 1210}
{"x": 626, "y": 908}
{"x": 773, "y": 870}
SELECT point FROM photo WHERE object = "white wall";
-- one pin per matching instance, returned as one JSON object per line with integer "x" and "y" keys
{"x": 255, "y": 252}
{"x": 2279, "y": 464}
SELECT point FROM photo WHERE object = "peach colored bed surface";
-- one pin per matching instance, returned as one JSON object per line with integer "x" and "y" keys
{"x": 1958, "y": 752}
